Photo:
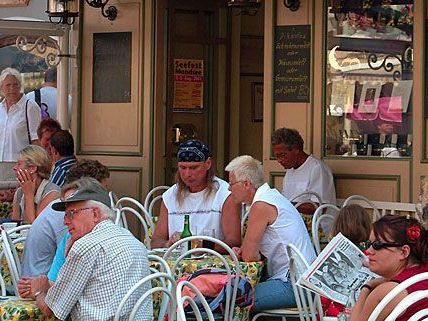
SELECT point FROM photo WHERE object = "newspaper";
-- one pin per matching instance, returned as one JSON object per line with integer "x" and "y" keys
{"x": 338, "y": 272}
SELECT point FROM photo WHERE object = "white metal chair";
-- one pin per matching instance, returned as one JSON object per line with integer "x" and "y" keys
{"x": 121, "y": 219}
{"x": 2, "y": 286}
{"x": 304, "y": 298}
{"x": 146, "y": 298}
{"x": 148, "y": 200}
{"x": 399, "y": 288}
{"x": 113, "y": 199}
{"x": 418, "y": 315}
{"x": 364, "y": 202}
{"x": 22, "y": 230}
{"x": 139, "y": 207}
{"x": 12, "y": 259}
{"x": 231, "y": 287}
{"x": 308, "y": 303}
{"x": 408, "y": 301}
{"x": 245, "y": 211}
{"x": 319, "y": 217}
{"x": 180, "y": 299}
{"x": 308, "y": 198}
{"x": 163, "y": 268}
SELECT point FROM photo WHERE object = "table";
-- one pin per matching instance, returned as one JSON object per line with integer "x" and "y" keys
{"x": 252, "y": 270}
{"x": 4, "y": 269}
{"x": 19, "y": 310}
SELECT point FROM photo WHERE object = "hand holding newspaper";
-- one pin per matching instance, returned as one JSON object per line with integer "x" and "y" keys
{"x": 338, "y": 271}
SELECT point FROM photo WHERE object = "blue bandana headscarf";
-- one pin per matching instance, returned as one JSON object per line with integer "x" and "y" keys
{"x": 193, "y": 150}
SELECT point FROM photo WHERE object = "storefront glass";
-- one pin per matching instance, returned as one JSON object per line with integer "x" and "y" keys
{"x": 369, "y": 78}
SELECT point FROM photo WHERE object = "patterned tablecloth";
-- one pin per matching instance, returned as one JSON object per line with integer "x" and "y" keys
{"x": 20, "y": 310}
{"x": 5, "y": 273}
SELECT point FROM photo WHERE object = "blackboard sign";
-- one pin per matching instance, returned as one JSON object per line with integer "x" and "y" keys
{"x": 292, "y": 63}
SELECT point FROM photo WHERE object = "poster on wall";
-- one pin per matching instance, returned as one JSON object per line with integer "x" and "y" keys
{"x": 188, "y": 84}
{"x": 292, "y": 63}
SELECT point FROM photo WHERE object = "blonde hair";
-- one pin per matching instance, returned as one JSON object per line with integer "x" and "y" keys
{"x": 354, "y": 222}
{"x": 11, "y": 72}
{"x": 247, "y": 168}
{"x": 34, "y": 155}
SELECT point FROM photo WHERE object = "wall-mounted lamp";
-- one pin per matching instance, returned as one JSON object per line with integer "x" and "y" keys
{"x": 293, "y": 5}
{"x": 110, "y": 13}
{"x": 245, "y": 7}
{"x": 63, "y": 11}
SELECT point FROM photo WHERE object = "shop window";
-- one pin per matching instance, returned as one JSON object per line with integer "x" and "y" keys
{"x": 369, "y": 78}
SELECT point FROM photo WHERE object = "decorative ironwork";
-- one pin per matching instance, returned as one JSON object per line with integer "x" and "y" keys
{"x": 405, "y": 62}
{"x": 43, "y": 46}
{"x": 110, "y": 13}
{"x": 293, "y": 5}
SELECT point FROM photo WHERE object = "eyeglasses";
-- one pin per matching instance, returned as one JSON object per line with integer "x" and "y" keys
{"x": 70, "y": 213}
{"x": 234, "y": 183}
{"x": 378, "y": 245}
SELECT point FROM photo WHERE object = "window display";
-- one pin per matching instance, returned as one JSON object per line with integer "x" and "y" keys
{"x": 369, "y": 76}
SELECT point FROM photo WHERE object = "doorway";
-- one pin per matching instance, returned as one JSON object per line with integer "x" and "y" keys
{"x": 197, "y": 53}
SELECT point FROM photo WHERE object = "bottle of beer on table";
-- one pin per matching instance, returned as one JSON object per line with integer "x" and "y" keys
{"x": 186, "y": 233}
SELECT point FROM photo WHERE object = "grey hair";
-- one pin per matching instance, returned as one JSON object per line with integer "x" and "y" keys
{"x": 11, "y": 72}
{"x": 247, "y": 168}
{"x": 106, "y": 211}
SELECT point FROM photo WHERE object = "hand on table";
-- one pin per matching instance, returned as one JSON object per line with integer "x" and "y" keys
{"x": 238, "y": 252}
{"x": 174, "y": 238}
{"x": 24, "y": 287}
{"x": 40, "y": 283}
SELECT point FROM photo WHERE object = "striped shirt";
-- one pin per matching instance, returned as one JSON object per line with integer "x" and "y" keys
{"x": 98, "y": 271}
{"x": 61, "y": 169}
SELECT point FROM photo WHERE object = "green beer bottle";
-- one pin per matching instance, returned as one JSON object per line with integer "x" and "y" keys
{"x": 186, "y": 233}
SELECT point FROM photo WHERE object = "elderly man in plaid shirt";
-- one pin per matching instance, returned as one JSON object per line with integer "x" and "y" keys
{"x": 103, "y": 262}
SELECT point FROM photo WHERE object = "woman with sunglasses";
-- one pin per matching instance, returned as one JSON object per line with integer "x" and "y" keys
{"x": 397, "y": 250}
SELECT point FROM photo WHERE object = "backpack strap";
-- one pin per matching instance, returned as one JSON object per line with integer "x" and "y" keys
{"x": 38, "y": 97}
{"x": 26, "y": 120}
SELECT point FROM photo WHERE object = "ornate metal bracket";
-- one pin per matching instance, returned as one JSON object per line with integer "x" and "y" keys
{"x": 44, "y": 46}
{"x": 406, "y": 62}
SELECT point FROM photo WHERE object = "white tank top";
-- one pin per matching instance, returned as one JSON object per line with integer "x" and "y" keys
{"x": 204, "y": 211}
{"x": 287, "y": 228}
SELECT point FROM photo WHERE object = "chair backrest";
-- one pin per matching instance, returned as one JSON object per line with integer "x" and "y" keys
{"x": 308, "y": 197}
{"x": 151, "y": 193}
{"x": 12, "y": 259}
{"x": 145, "y": 225}
{"x": 22, "y": 230}
{"x": 419, "y": 315}
{"x": 180, "y": 299}
{"x": 308, "y": 303}
{"x": 245, "y": 211}
{"x": 406, "y": 302}
{"x": 152, "y": 204}
{"x": 399, "y": 288}
{"x": 231, "y": 287}
{"x": 364, "y": 202}
{"x": 113, "y": 199}
{"x": 146, "y": 297}
{"x": 139, "y": 212}
{"x": 2, "y": 286}
{"x": 322, "y": 214}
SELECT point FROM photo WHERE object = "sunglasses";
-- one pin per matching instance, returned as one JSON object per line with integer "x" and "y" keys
{"x": 378, "y": 245}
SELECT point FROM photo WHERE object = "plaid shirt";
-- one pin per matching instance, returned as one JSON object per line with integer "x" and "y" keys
{"x": 99, "y": 269}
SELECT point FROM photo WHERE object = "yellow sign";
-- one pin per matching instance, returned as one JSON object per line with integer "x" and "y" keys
{"x": 188, "y": 83}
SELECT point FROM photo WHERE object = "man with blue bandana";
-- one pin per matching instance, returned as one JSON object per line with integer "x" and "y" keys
{"x": 199, "y": 194}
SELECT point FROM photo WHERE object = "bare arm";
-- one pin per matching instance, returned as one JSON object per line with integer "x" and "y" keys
{"x": 15, "y": 208}
{"x": 46, "y": 200}
{"x": 231, "y": 222}
{"x": 40, "y": 286}
{"x": 161, "y": 235}
{"x": 368, "y": 300}
{"x": 261, "y": 215}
